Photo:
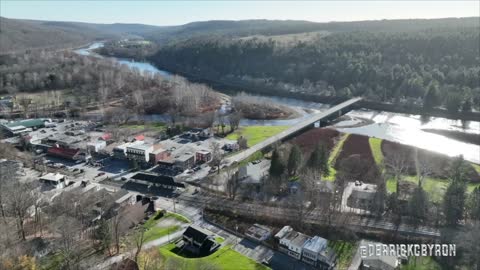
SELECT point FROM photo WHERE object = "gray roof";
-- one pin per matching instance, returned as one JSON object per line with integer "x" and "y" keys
{"x": 315, "y": 244}
{"x": 143, "y": 147}
{"x": 300, "y": 239}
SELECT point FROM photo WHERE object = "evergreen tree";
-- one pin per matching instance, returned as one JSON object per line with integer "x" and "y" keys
{"x": 473, "y": 204}
{"x": 294, "y": 160}
{"x": 319, "y": 160}
{"x": 418, "y": 204}
{"x": 103, "y": 233}
{"x": 454, "y": 202}
{"x": 276, "y": 166}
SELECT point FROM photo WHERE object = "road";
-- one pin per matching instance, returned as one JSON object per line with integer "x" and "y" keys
{"x": 290, "y": 131}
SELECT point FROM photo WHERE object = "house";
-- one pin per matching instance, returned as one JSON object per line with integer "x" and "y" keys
{"x": 312, "y": 249}
{"x": 288, "y": 236}
{"x": 199, "y": 241}
{"x": 184, "y": 161}
{"x": 295, "y": 246}
{"x": 55, "y": 180}
{"x": 360, "y": 195}
{"x": 139, "y": 152}
{"x": 231, "y": 146}
{"x": 258, "y": 232}
{"x": 378, "y": 262}
{"x": 162, "y": 181}
{"x": 203, "y": 156}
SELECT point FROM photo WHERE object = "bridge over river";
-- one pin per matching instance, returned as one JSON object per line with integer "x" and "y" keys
{"x": 331, "y": 113}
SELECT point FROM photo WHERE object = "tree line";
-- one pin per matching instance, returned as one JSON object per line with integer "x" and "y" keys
{"x": 434, "y": 67}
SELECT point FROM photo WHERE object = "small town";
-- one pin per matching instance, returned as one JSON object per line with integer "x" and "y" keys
{"x": 239, "y": 135}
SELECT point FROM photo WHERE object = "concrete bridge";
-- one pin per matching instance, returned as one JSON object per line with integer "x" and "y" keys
{"x": 330, "y": 114}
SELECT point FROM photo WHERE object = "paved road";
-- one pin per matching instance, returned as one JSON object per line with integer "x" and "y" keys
{"x": 292, "y": 130}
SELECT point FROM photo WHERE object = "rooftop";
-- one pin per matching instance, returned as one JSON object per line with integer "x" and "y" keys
{"x": 283, "y": 232}
{"x": 143, "y": 147}
{"x": 26, "y": 123}
{"x": 52, "y": 177}
{"x": 197, "y": 233}
{"x": 157, "y": 179}
{"x": 300, "y": 240}
{"x": 315, "y": 244}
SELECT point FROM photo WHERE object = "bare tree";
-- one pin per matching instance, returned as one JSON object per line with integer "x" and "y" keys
{"x": 19, "y": 200}
{"x": 234, "y": 120}
{"x": 217, "y": 155}
{"x": 68, "y": 230}
{"x": 231, "y": 181}
{"x": 397, "y": 164}
{"x": 138, "y": 240}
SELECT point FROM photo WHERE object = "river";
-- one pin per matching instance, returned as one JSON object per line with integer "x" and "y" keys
{"x": 402, "y": 128}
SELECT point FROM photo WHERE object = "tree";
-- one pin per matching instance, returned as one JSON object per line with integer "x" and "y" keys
{"x": 397, "y": 164}
{"x": 473, "y": 204}
{"x": 432, "y": 98}
{"x": 103, "y": 233}
{"x": 319, "y": 160}
{"x": 138, "y": 240}
{"x": 467, "y": 242}
{"x": 19, "y": 200}
{"x": 418, "y": 205}
{"x": 454, "y": 202}
{"x": 276, "y": 166}
{"x": 294, "y": 160}
{"x": 234, "y": 120}
{"x": 242, "y": 142}
{"x": 217, "y": 155}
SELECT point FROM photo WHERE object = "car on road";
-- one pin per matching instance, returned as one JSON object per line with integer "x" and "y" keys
{"x": 100, "y": 174}
{"x": 123, "y": 179}
{"x": 196, "y": 169}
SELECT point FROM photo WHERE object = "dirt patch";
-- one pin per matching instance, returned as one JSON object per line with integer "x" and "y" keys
{"x": 308, "y": 140}
{"x": 168, "y": 222}
{"x": 361, "y": 164}
{"x": 439, "y": 164}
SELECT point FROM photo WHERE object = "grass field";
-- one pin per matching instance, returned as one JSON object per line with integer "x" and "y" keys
{"x": 344, "y": 251}
{"x": 224, "y": 258}
{"x": 376, "y": 147}
{"x": 435, "y": 187}
{"x": 256, "y": 134}
{"x": 148, "y": 126}
{"x": 476, "y": 167}
{"x": 333, "y": 157}
{"x": 421, "y": 263}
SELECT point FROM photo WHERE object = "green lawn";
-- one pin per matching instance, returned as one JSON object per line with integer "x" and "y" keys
{"x": 256, "y": 134}
{"x": 177, "y": 217}
{"x": 376, "y": 147}
{"x": 345, "y": 251}
{"x": 333, "y": 157}
{"x": 476, "y": 167}
{"x": 421, "y": 263}
{"x": 157, "y": 232}
{"x": 435, "y": 187}
{"x": 147, "y": 126}
{"x": 224, "y": 258}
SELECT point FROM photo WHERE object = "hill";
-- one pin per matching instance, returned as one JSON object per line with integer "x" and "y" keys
{"x": 19, "y": 35}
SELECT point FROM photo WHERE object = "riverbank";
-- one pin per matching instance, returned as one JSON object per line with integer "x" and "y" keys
{"x": 235, "y": 87}
{"x": 457, "y": 135}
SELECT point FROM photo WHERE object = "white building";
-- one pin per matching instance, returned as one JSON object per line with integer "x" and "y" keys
{"x": 312, "y": 249}
{"x": 140, "y": 152}
{"x": 55, "y": 180}
{"x": 120, "y": 151}
{"x": 96, "y": 146}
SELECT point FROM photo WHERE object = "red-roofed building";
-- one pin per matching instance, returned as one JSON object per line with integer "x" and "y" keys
{"x": 66, "y": 153}
{"x": 106, "y": 136}
{"x": 140, "y": 138}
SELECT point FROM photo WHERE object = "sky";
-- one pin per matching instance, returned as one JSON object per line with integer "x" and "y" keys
{"x": 180, "y": 12}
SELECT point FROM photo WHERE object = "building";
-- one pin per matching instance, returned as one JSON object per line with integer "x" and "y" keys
{"x": 66, "y": 153}
{"x": 162, "y": 181}
{"x": 312, "y": 249}
{"x": 139, "y": 152}
{"x": 159, "y": 154}
{"x": 185, "y": 161}
{"x": 55, "y": 180}
{"x": 199, "y": 241}
{"x": 295, "y": 246}
{"x": 258, "y": 232}
{"x": 20, "y": 127}
{"x": 360, "y": 195}
{"x": 375, "y": 262}
{"x": 96, "y": 146}
{"x": 120, "y": 151}
{"x": 203, "y": 156}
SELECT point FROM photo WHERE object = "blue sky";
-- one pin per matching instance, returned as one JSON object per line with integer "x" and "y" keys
{"x": 180, "y": 12}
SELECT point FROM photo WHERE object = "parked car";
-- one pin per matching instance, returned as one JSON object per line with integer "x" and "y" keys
{"x": 100, "y": 174}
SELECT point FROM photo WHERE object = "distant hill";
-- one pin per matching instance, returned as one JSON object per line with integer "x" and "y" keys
{"x": 18, "y": 35}
{"x": 246, "y": 28}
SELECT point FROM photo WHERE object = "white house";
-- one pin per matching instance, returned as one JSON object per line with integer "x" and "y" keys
{"x": 55, "y": 180}
{"x": 312, "y": 249}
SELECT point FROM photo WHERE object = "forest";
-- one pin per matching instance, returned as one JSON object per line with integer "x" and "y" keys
{"x": 430, "y": 67}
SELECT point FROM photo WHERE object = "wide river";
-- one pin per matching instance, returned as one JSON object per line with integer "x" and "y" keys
{"x": 402, "y": 128}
